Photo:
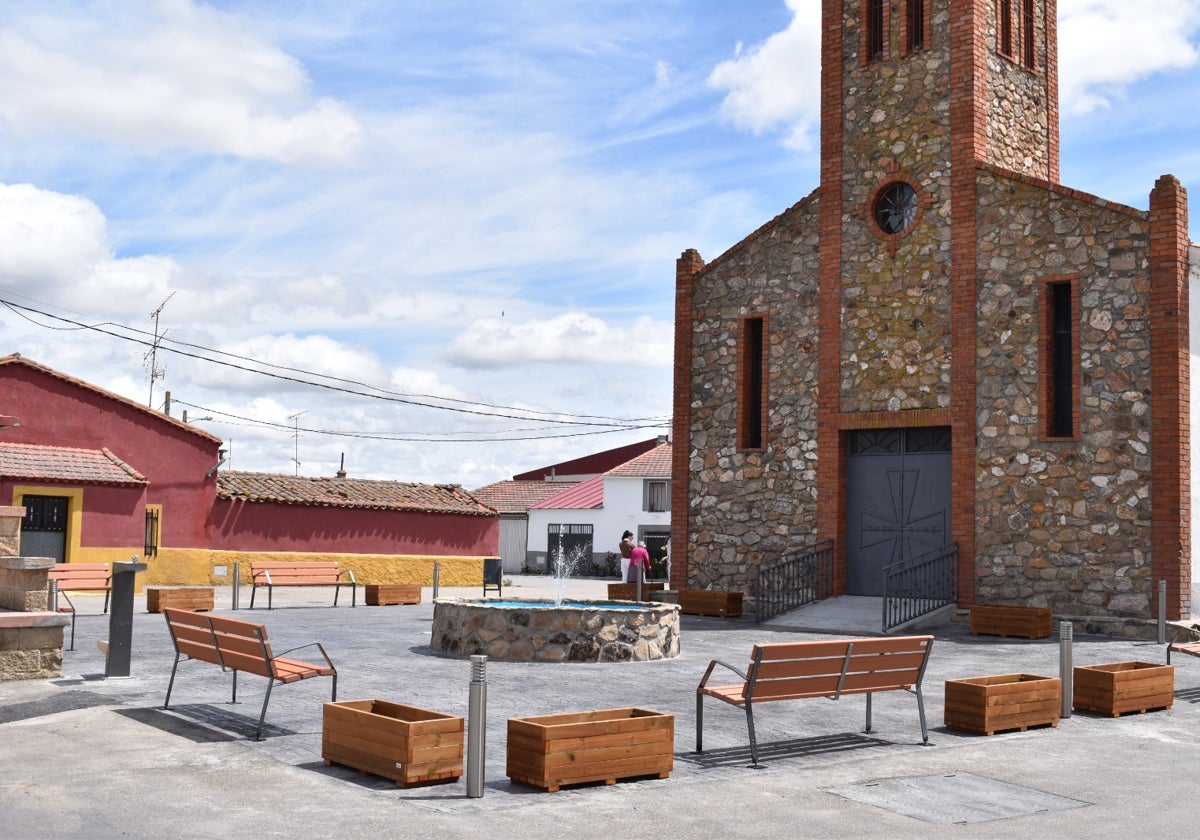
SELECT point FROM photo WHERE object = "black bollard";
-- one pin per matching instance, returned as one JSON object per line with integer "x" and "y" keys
{"x": 120, "y": 618}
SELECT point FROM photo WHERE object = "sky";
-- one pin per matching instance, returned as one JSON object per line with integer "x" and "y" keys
{"x": 435, "y": 241}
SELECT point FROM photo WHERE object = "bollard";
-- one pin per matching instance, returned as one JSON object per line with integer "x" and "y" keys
{"x": 1162, "y": 612}
{"x": 235, "y": 595}
{"x": 52, "y": 596}
{"x": 437, "y": 572}
{"x": 120, "y": 618}
{"x": 1066, "y": 666}
{"x": 640, "y": 575}
{"x": 476, "y": 726}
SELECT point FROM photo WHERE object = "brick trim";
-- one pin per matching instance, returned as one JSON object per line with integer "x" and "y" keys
{"x": 687, "y": 267}
{"x": 911, "y": 419}
{"x": 1170, "y": 397}
{"x": 1059, "y": 189}
{"x": 1050, "y": 16}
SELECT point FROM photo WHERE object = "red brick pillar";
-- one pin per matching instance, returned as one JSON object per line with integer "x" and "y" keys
{"x": 687, "y": 267}
{"x": 1170, "y": 396}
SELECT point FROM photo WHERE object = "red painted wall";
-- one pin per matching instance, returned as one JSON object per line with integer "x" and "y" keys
{"x": 261, "y": 526}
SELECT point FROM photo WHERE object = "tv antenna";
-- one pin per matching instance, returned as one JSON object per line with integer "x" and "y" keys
{"x": 296, "y": 417}
{"x": 151, "y": 357}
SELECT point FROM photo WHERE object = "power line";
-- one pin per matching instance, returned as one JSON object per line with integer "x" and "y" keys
{"x": 529, "y": 415}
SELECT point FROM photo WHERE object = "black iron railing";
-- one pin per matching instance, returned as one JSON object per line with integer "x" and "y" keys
{"x": 801, "y": 577}
{"x": 920, "y": 585}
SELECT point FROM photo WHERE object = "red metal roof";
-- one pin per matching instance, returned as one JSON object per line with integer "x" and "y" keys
{"x": 590, "y": 464}
{"x": 60, "y": 463}
{"x": 519, "y": 496}
{"x": 583, "y": 496}
{"x": 653, "y": 464}
{"x": 349, "y": 492}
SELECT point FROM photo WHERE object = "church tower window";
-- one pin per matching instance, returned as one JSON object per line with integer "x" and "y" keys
{"x": 896, "y": 207}
{"x": 915, "y": 26}
{"x": 1028, "y": 55}
{"x": 1004, "y": 27}
{"x": 875, "y": 30}
{"x": 752, "y": 392}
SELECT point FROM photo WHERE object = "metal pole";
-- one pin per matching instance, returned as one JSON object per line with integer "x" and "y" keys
{"x": 52, "y": 596}
{"x": 437, "y": 573}
{"x": 1162, "y": 612}
{"x": 640, "y": 575}
{"x": 1066, "y": 666}
{"x": 237, "y": 585}
{"x": 476, "y": 726}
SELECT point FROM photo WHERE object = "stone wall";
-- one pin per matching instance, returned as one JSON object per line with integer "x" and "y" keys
{"x": 1064, "y": 524}
{"x": 751, "y": 506}
{"x": 31, "y": 638}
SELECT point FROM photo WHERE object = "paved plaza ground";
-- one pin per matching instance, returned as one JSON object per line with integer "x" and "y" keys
{"x": 89, "y": 757}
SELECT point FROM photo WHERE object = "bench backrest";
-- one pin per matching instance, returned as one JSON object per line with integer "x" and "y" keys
{"x": 282, "y": 573}
{"x": 81, "y": 575}
{"x": 229, "y": 642}
{"x": 790, "y": 670}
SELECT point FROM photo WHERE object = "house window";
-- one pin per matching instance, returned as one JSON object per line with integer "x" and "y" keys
{"x": 1027, "y": 51}
{"x": 1060, "y": 349}
{"x": 1004, "y": 26}
{"x": 874, "y": 30}
{"x": 915, "y": 26}
{"x": 656, "y": 496}
{"x": 751, "y": 385}
{"x": 569, "y": 547}
{"x": 151, "y": 543}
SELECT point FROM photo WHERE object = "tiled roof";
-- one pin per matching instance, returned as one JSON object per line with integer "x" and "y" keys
{"x": 583, "y": 496}
{"x": 349, "y": 493}
{"x": 653, "y": 464}
{"x": 59, "y": 463}
{"x": 519, "y": 496}
{"x": 18, "y": 359}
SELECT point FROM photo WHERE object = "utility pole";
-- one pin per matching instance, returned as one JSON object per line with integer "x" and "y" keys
{"x": 151, "y": 357}
{"x": 296, "y": 417}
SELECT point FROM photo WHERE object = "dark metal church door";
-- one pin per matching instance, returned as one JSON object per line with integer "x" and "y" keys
{"x": 897, "y": 500}
{"x": 44, "y": 528}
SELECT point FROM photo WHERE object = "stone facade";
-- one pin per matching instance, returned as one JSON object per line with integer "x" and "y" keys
{"x": 945, "y": 323}
{"x": 540, "y": 631}
{"x": 31, "y": 639}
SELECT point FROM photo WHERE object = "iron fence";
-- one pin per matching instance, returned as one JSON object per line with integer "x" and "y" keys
{"x": 920, "y": 585}
{"x": 800, "y": 578}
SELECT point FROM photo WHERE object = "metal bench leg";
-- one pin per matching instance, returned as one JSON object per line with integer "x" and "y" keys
{"x": 263, "y": 715}
{"x": 253, "y": 589}
{"x": 73, "y": 614}
{"x": 921, "y": 711}
{"x": 868, "y": 729}
{"x": 171, "y": 683}
{"x": 107, "y": 592}
{"x": 753, "y": 741}
{"x": 699, "y": 722}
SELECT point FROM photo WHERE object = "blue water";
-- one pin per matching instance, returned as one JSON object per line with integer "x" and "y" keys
{"x": 579, "y": 605}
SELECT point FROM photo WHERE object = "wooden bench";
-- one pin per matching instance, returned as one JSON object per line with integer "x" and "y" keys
{"x": 1188, "y": 647}
{"x": 1006, "y": 620}
{"x": 710, "y": 602}
{"x": 80, "y": 577}
{"x": 628, "y": 591}
{"x": 300, "y": 573}
{"x": 237, "y": 645}
{"x": 198, "y": 598}
{"x": 798, "y": 670}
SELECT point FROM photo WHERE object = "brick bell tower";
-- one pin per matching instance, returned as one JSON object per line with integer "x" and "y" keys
{"x": 914, "y": 95}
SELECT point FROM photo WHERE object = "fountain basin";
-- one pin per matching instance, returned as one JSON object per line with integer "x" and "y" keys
{"x": 543, "y": 631}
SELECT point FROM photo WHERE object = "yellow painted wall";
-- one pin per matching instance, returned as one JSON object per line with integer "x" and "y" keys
{"x": 180, "y": 566}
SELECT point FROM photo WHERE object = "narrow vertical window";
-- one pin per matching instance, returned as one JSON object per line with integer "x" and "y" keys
{"x": 915, "y": 24}
{"x": 1005, "y": 27}
{"x": 874, "y": 30}
{"x": 1063, "y": 361}
{"x": 751, "y": 385}
{"x": 151, "y": 543}
{"x": 1027, "y": 42}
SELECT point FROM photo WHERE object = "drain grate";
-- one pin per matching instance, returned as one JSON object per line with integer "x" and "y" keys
{"x": 956, "y": 798}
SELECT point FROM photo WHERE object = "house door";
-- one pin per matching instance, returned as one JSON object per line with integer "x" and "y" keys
{"x": 44, "y": 528}
{"x": 897, "y": 500}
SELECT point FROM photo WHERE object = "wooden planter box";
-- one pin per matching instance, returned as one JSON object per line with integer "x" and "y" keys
{"x": 199, "y": 598}
{"x": 382, "y": 594}
{"x": 600, "y": 746}
{"x": 628, "y": 591}
{"x": 408, "y": 745}
{"x": 1026, "y": 622}
{"x": 1117, "y": 688}
{"x": 1005, "y": 701}
{"x": 710, "y": 602}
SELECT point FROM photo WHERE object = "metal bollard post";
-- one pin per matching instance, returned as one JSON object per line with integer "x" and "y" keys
{"x": 640, "y": 575}
{"x": 1066, "y": 665}
{"x": 476, "y": 726}
{"x": 236, "y": 593}
{"x": 52, "y": 596}
{"x": 437, "y": 572}
{"x": 1162, "y": 612}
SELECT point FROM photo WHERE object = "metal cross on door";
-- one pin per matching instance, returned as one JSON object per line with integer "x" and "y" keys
{"x": 897, "y": 501}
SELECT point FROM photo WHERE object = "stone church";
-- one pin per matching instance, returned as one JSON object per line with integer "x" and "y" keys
{"x": 941, "y": 345}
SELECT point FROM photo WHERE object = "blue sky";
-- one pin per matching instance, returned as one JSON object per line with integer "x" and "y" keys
{"x": 471, "y": 205}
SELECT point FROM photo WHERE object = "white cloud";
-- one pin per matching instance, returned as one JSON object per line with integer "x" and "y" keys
{"x": 1106, "y": 45}
{"x": 194, "y": 78}
{"x": 569, "y": 338}
{"x": 777, "y": 84}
